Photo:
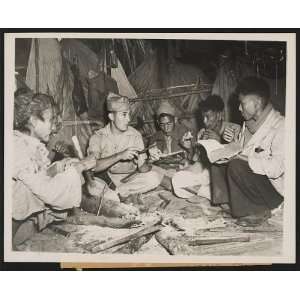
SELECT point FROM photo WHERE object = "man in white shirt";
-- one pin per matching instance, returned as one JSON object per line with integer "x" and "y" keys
{"x": 252, "y": 183}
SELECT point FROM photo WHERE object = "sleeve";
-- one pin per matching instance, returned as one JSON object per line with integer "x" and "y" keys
{"x": 94, "y": 147}
{"x": 270, "y": 162}
{"x": 62, "y": 191}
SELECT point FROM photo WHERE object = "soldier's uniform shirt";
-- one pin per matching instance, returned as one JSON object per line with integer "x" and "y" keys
{"x": 104, "y": 144}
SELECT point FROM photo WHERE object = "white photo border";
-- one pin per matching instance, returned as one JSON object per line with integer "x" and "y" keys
{"x": 289, "y": 230}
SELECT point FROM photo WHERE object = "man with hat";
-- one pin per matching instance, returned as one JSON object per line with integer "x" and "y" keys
{"x": 117, "y": 149}
{"x": 252, "y": 183}
{"x": 171, "y": 136}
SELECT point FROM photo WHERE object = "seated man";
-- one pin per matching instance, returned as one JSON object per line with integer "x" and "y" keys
{"x": 212, "y": 114}
{"x": 116, "y": 148}
{"x": 252, "y": 184}
{"x": 212, "y": 117}
{"x": 171, "y": 136}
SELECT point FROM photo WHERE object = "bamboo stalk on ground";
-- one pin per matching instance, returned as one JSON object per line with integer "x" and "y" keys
{"x": 125, "y": 239}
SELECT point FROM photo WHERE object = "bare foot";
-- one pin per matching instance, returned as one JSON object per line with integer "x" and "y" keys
{"x": 24, "y": 232}
{"x": 83, "y": 218}
{"x": 113, "y": 209}
{"x": 122, "y": 222}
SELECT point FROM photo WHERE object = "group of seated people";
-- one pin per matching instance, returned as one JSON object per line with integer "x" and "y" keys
{"x": 118, "y": 166}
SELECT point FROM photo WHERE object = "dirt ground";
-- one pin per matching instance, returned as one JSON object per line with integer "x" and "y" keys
{"x": 185, "y": 224}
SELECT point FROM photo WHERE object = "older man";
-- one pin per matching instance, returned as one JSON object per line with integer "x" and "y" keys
{"x": 117, "y": 148}
{"x": 252, "y": 184}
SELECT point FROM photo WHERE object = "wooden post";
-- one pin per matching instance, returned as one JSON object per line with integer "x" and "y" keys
{"x": 37, "y": 67}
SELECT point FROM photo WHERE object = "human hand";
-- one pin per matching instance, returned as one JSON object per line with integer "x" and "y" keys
{"x": 60, "y": 166}
{"x": 155, "y": 153}
{"x": 228, "y": 134}
{"x": 68, "y": 162}
{"x": 129, "y": 153}
{"x": 200, "y": 134}
{"x": 61, "y": 147}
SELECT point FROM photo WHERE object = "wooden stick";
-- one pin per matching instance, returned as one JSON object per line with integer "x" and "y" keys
{"x": 127, "y": 238}
{"x": 77, "y": 146}
{"x": 190, "y": 190}
{"x": 59, "y": 230}
{"x": 171, "y": 154}
{"x": 156, "y": 98}
{"x": 218, "y": 240}
{"x": 129, "y": 176}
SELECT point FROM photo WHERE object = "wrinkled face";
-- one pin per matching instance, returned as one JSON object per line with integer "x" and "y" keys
{"x": 212, "y": 119}
{"x": 41, "y": 129}
{"x": 166, "y": 124}
{"x": 120, "y": 120}
{"x": 248, "y": 105}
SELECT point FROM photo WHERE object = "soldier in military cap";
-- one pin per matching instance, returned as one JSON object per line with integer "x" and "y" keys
{"x": 171, "y": 136}
{"x": 116, "y": 148}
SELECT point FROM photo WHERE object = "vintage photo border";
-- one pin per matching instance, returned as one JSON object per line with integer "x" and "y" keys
{"x": 289, "y": 226}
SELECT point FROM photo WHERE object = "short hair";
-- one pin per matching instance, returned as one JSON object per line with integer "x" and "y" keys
{"x": 29, "y": 104}
{"x": 213, "y": 103}
{"x": 254, "y": 86}
{"x": 163, "y": 115}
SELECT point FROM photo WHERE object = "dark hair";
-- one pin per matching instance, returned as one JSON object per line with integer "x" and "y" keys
{"x": 166, "y": 115}
{"x": 213, "y": 103}
{"x": 27, "y": 105}
{"x": 254, "y": 86}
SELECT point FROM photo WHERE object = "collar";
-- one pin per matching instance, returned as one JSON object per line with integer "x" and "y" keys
{"x": 30, "y": 140}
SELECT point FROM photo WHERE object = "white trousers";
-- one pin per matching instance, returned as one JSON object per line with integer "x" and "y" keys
{"x": 183, "y": 179}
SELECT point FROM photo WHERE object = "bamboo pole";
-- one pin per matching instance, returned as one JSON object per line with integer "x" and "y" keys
{"x": 163, "y": 97}
{"x": 88, "y": 122}
{"x": 127, "y": 238}
{"x": 37, "y": 67}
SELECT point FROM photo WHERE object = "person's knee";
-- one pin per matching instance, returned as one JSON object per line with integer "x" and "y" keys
{"x": 154, "y": 177}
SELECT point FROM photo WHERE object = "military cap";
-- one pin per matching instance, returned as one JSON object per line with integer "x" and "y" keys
{"x": 117, "y": 102}
{"x": 166, "y": 108}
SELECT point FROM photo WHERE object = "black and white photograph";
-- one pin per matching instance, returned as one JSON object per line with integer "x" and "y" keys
{"x": 150, "y": 148}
